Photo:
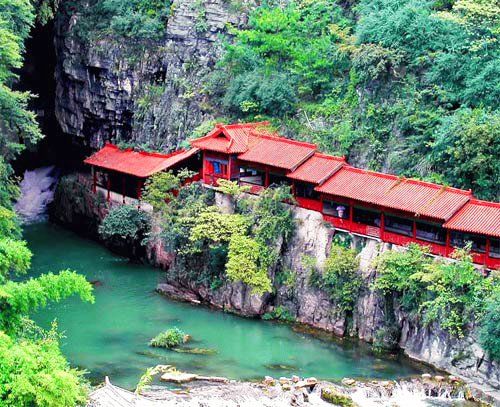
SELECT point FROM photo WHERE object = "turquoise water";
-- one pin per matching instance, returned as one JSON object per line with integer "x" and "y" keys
{"x": 111, "y": 336}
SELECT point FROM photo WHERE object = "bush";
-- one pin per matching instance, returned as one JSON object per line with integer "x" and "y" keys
{"x": 280, "y": 313}
{"x": 257, "y": 92}
{"x": 169, "y": 339}
{"x": 489, "y": 332}
{"x": 125, "y": 222}
{"x": 339, "y": 277}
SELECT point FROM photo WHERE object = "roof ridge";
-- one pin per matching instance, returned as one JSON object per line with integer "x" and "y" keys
{"x": 369, "y": 172}
{"x": 286, "y": 140}
{"x": 239, "y": 125}
{"x": 482, "y": 202}
{"x": 439, "y": 186}
{"x": 329, "y": 156}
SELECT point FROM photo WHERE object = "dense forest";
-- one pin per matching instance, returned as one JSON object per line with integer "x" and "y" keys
{"x": 405, "y": 86}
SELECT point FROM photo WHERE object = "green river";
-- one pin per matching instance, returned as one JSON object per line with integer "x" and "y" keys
{"x": 111, "y": 336}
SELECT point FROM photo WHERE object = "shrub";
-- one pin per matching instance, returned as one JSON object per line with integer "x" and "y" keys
{"x": 125, "y": 222}
{"x": 158, "y": 189}
{"x": 394, "y": 271}
{"x": 280, "y": 313}
{"x": 247, "y": 263}
{"x": 168, "y": 339}
{"x": 339, "y": 277}
{"x": 258, "y": 92}
{"x": 489, "y": 332}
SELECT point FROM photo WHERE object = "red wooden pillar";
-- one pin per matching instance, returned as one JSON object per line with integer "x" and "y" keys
{"x": 293, "y": 188}
{"x": 123, "y": 188}
{"x": 108, "y": 185}
{"x": 414, "y": 230}
{"x": 447, "y": 250}
{"x": 94, "y": 179}
{"x": 266, "y": 181}
{"x": 382, "y": 237}
{"x": 139, "y": 187}
{"x": 351, "y": 210}
{"x": 487, "y": 253}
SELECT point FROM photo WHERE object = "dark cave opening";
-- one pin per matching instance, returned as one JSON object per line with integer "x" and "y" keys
{"x": 37, "y": 77}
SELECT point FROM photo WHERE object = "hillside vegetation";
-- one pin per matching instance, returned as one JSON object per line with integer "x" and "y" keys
{"x": 408, "y": 86}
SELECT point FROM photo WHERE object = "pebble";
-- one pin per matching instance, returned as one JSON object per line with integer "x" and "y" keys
{"x": 268, "y": 381}
{"x": 309, "y": 382}
{"x": 348, "y": 382}
{"x": 439, "y": 378}
{"x": 283, "y": 380}
{"x": 453, "y": 379}
{"x": 295, "y": 379}
{"x": 386, "y": 383}
{"x": 426, "y": 376}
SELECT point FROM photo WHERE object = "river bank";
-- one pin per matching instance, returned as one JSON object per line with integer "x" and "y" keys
{"x": 292, "y": 391}
{"x": 296, "y": 298}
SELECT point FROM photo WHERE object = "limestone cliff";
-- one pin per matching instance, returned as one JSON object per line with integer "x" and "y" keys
{"x": 306, "y": 304}
{"x": 150, "y": 96}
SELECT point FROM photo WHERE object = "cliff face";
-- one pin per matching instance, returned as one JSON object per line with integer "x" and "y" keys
{"x": 75, "y": 205}
{"x": 153, "y": 97}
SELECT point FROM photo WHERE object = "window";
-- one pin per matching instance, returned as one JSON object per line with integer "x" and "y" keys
{"x": 252, "y": 176}
{"x": 459, "y": 239}
{"x": 278, "y": 179}
{"x": 365, "y": 216}
{"x": 398, "y": 225}
{"x": 336, "y": 209}
{"x": 218, "y": 167}
{"x": 495, "y": 248}
{"x": 431, "y": 232}
{"x": 306, "y": 190}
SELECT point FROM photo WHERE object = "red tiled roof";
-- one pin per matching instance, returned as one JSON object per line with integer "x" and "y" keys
{"x": 362, "y": 185}
{"x": 477, "y": 217}
{"x": 137, "y": 163}
{"x": 277, "y": 152}
{"x": 231, "y": 138}
{"x": 318, "y": 168}
{"x": 417, "y": 197}
{"x": 425, "y": 198}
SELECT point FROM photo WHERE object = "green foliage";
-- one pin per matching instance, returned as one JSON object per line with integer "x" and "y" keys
{"x": 457, "y": 293}
{"x": 14, "y": 256}
{"x": 394, "y": 272}
{"x": 218, "y": 227}
{"x": 34, "y": 373}
{"x": 168, "y": 339}
{"x": 158, "y": 189}
{"x": 231, "y": 188}
{"x": 452, "y": 294}
{"x": 125, "y": 222}
{"x": 18, "y": 299}
{"x": 339, "y": 277}
{"x": 465, "y": 149}
{"x": 273, "y": 219}
{"x": 280, "y": 313}
{"x": 388, "y": 83}
{"x": 136, "y": 20}
{"x": 489, "y": 333}
{"x": 246, "y": 263}
{"x": 17, "y": 123}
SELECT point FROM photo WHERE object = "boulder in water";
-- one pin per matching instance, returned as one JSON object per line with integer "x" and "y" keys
{"x": 178, "y": 377}
{"x": 334, "y": 396}
{"x": 348, "y": 382}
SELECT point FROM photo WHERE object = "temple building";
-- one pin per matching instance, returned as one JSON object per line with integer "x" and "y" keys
{"x": 373, "y": 204}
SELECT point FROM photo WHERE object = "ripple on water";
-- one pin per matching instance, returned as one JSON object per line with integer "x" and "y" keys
{"x": 111, "y": 336}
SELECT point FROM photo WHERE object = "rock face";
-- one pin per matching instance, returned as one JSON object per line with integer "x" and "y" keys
{"x": 306, "y": 304}
{"x": 154, "y": 97}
